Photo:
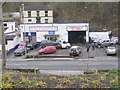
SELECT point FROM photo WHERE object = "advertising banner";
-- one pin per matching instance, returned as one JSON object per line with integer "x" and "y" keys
{"x": 42, "y": 28}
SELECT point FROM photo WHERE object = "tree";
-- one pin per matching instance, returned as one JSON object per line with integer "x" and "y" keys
{"x": 2, "y": 38}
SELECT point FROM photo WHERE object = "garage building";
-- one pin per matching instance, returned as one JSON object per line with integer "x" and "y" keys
{"x": 70, "y": 32}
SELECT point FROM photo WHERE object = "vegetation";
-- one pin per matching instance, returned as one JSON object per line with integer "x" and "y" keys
{"x": 102, "y": 16}
{"x": 17, "y": 79}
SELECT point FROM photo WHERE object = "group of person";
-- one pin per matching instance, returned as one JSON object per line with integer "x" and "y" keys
{"x": 91, "y": 45}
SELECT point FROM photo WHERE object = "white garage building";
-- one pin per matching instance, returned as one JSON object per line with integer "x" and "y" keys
{"x": 70, "y": 32}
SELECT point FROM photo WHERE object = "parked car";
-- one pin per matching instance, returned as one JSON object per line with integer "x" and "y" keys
{"x": 48, "y": 49}
{"x": 111, "y": 50}
{"x": 114, "y": 40}
{"x": 22, "y": 49}
{"x": 32, "y": 45}
{"x": 22, "y": 45}
{"x": 19, "y": 52}
{"x": 65, "y": 44}
{"x": 58, "y": 45}
{"x": 103, "y": 43}
{"x": 44, "y": 43}
{"x": 75, "y": 50}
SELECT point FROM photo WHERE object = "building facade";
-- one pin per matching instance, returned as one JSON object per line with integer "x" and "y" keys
{"x": 69, "y": 32}
{"x": 10, "y": 27}
{"x": 36, "y": 15}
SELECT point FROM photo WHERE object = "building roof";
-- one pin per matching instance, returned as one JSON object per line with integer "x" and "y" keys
{"x": 27, "y": 8}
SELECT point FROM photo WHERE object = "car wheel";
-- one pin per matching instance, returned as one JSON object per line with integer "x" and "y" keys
{"x": 99, "y": 46}
{"x": 42, "y": 53}
{"x": 67, "y": 47}
{"x": 22, "y": 54}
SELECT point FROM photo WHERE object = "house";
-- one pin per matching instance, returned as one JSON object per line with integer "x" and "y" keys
{"x": 10, "y": 27}
{"x": 12, "y": 37}
{"x": 36, "y": 15}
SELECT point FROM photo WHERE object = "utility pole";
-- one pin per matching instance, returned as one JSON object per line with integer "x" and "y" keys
{"x": 2, "y": 38}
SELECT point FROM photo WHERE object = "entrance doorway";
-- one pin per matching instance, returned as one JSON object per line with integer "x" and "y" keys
{"x": 77, "y": 37}
{"x": 52, "y": 37}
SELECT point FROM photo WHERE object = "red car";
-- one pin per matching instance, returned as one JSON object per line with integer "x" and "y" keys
{"x": 47, "y": 49}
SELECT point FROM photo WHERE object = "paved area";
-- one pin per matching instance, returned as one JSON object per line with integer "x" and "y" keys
{"x": 65, "y": 52}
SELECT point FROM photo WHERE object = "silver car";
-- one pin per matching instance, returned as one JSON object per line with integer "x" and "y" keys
{"x": 19, "y": 52}
{"x": 111, "y": 50}
{"x": 75, "y": 51}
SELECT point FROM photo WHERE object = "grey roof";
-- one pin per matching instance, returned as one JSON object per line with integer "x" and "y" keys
{"x": 9, "y": 37}
{"x": 27, "y": 8}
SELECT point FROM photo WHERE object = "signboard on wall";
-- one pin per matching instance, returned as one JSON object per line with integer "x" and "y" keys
{"x": 51, "y": 32}
{"x": 43, "y": 28}
{"x": 77, "y": 28}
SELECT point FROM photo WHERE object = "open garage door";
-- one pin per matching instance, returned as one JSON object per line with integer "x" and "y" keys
{"x": 77, "y": 37}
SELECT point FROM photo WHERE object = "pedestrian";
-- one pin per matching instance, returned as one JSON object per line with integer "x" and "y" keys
{"x": 93, "y": 46}
{"x": 88, "y": 47}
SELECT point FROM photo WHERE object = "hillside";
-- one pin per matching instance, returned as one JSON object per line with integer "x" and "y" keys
{"x": 101, "y": 16}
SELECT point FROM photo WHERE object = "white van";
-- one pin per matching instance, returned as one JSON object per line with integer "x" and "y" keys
{"x": 65, "y": 44}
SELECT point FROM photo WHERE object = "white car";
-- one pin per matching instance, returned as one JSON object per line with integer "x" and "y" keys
{"x": 111, "y": 50}
{"x": 75, "y": 50}
{"x": 65, "y": 45}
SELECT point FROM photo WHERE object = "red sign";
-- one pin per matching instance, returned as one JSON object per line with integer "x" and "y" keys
{"x": 77, "y": 28}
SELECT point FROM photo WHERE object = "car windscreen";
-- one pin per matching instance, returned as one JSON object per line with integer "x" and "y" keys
{"x": 73, "y": 49}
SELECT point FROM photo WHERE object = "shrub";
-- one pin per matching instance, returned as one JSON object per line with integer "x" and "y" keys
{"x": 6, "y": 78}
{"x": 53, "y": 78}
{"x": 24, "y": 80}
{"x": 6, "y": 85}
{"x": 96, "y": 83}
{"x": 66, "y": 81}
{"x": 32, "y": 83}
{"x": 83, "y": 79}
{"x": 41, "y": 84}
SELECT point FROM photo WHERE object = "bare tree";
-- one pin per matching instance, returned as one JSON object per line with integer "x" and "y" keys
{"x": 2, "y": 38}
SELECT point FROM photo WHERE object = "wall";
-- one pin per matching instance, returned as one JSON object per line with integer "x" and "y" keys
{"x": 99, "y": 35}
{"x": 11, "y": 27}
{"x": 62, "y": 30}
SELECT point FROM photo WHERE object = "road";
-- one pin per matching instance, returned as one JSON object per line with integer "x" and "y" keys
{"x": 98, "y": 61}
{"x": 65, "y": 64}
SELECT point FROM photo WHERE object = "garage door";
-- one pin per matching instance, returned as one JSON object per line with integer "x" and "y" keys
{"x": 76, "y": 37}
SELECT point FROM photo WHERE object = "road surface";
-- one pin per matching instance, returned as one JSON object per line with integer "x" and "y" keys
{"x": 65, "y": 64}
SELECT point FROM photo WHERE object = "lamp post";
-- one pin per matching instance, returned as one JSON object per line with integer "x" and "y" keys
{"x": 23, "y": 21}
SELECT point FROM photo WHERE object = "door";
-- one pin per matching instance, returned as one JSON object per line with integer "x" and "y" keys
{"x": 47, "y": 50}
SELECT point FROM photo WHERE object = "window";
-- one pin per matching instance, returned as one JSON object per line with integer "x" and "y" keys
{"x": 6, "y": 42}
{"x": 46, "y": 13}
{"x": 12, "y": 27}
{"x": 5, "y": 24}
{"x": 29, "y": 20}
{"x": 46, "y": 20}
{"x": 29, "y": 13}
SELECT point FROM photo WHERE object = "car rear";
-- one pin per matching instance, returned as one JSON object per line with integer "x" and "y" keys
{"x": 111, "y": 50}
